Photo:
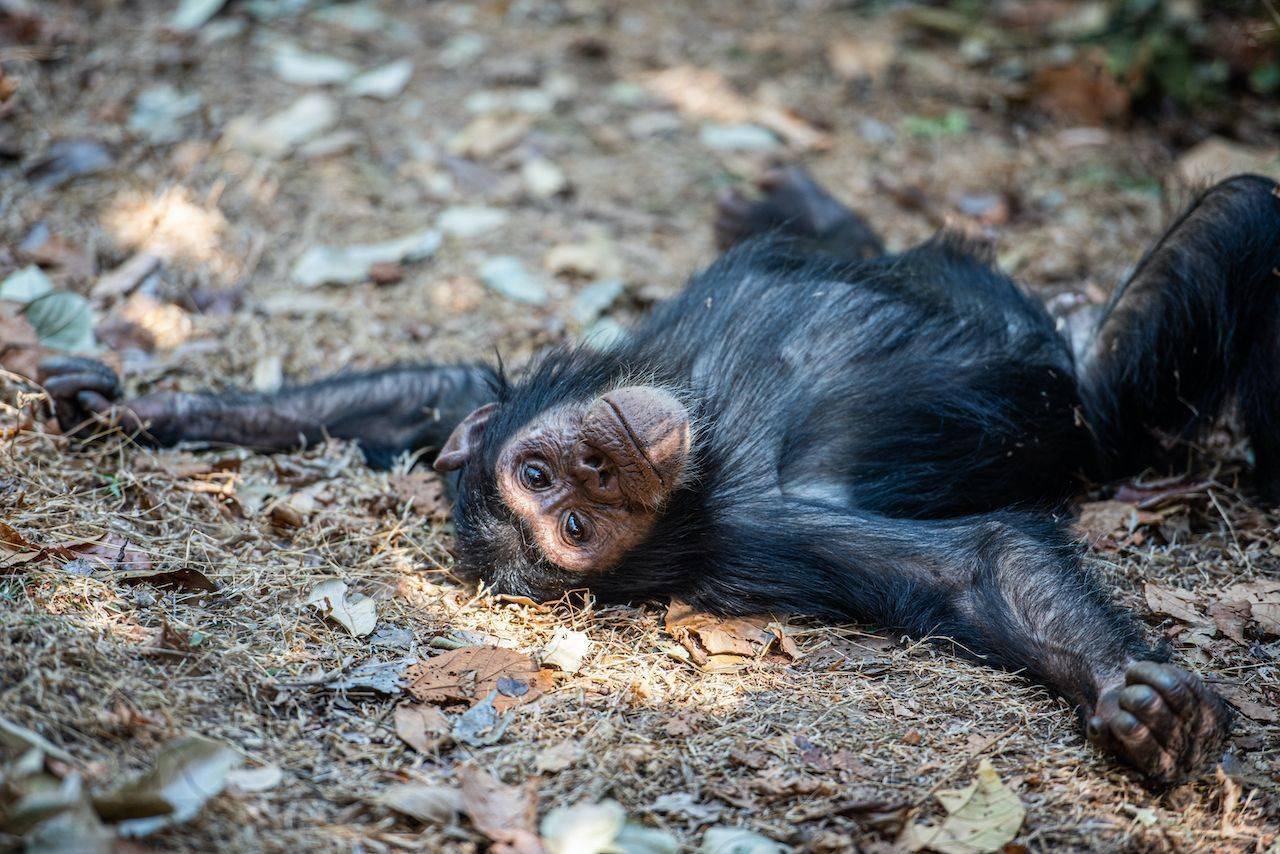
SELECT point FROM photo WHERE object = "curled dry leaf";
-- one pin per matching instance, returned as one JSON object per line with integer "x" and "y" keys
{"x": 737, "y": 840}
{"x": 481, "y": 724}
{"x": 424, "y": 728}
{"x": 355, "y": 613}
{"x": 716, "y": 643}
{"x": 982, "y": 817}
{"x": 557, "y": 757}
{"x": 1256, "y": 600}
{"x": 505, "y": 814}
{"x": 1174, "y": 602}
{"x": 468, "y": 674}
{"x": 186, "y": 773}
{"x": 245, "y": 781}
{"x": 1102, "y": 523}
{"x": 427, "y": 803}
{"x": 566, "y": 649}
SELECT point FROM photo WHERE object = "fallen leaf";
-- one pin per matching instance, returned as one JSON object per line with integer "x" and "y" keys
{"x": 505, "y": 814}
{"x": 185, "y": 774}
{"x": 468, "y": 674}
{"x": 1174, "y": 602}
{"x": 737, "y": 840}
{"x": 566, "y": 650}
{"x": 426, "y": 803}
{"x": 717, "y": 642}
{"x": 68, "y": 159}
{"x": 20, "y": 351}
{"x": 1216, "y": 158}
{"x": 860, "y": 58}
{"x": 1261, "y": 600}
{"x": 347, "y": 265}
{"x": 423, "y": 492}
{"x": 18, "y": 739}
{"x": 181, "y": 578}
{"x": 481, "y": 724}
{"x": 1230, "y": 618}
{"x": 557, "y": 757}
{"x": 1243, "y": 700}
{"x": 63, "y": 320}
{"x": 1101, "y": 521}
{"x": 424, "y": 728}
{"x": 982, "y": 817}
{"x": 588, "y": 828}
{"x": 385, "y": 677}
{"x": 357, "y": 614}
{"x": 687, "y": 805}
{"x": 1083, "y": 92}
{"x": 249, "y": 780}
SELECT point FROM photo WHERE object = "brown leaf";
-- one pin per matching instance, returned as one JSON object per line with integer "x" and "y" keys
{"x": 557, "y": 757}
{"x": 721, "y": 643}
{"x": 114, "y": 552}
{"x": 1083, "y": 92}
{"x": 20, "y": 350}
{"x": 1230, "y": 618}
{"x": 860, "y": 58}
{"x": 505, "y": 814}
{"x": 1102, "y": 521}
{"x": 1176, "y": 603}
{"x": 424, "y": 728}
{"x": 468, "y": 674}
{"x": 1243, "y": 700}
{"x": 182, "y": 578}
{"x": 425, "y": 491}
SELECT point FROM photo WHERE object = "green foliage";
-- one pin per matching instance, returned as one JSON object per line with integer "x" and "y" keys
{"x": 954, "y": 123}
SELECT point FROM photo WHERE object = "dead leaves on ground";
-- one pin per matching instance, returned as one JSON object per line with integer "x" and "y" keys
{"x": 727, "y": 643}
{"x": 984, "y": 816}
{"x": 468, "y": 675}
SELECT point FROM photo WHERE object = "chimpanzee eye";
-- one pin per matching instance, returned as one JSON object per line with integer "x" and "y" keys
{"x": 535, "y": 476}
{"x": 574, "y": 528}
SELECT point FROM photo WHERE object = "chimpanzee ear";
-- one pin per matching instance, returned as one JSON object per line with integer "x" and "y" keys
{"x": 464, "y": 439}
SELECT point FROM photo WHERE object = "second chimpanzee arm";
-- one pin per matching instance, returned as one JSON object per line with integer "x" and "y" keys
{"x": 387, "y": 411}
{"x": 1009, "y": 590}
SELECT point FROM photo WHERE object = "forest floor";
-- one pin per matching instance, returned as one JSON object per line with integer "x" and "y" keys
{"x": 148, "y": 596}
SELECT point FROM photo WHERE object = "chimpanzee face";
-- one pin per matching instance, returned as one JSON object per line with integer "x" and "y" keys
{"x": 586, "y": 481}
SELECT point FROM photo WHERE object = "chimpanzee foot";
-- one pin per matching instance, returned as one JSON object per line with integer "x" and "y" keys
{"x": 1163, "y": 720}
{"x": 790, "y": 202}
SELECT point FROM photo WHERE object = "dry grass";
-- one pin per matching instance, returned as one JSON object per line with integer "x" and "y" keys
{"x": 796, "y": 752}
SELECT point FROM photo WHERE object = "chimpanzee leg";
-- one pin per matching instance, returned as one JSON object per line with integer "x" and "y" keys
{"x": 792, "y": 203}
{"x": 387, "y": 412}
{"x": 1007, "y": 589}
{"x": 1196, "y": 323}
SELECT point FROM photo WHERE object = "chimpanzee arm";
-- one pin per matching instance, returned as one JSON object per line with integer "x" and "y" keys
{"x": 386, "y": 411}
{"x": 1196, "y": 324}
{"x": 1008, "y": 590}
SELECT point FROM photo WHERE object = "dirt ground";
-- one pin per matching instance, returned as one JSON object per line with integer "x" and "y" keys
{"x": 626, "y": 103}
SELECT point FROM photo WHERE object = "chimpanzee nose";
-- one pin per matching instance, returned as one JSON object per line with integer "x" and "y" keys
{"x": 594, "y": 470}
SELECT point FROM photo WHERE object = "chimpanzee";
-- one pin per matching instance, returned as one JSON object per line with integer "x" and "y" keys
{"x": 816, "y": 426}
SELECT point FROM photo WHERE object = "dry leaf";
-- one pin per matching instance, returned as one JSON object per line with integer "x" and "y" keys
{"x": 1101, "y": 521}
{"x": 1230, "y": 618}
{"x": 737, "y": 840}
{"x": 1083, "y": 92}
{"x": 557, "y": 757}
{"x": 357, "y": 614}
{"x": 860, "y": 58}
{"x": 718, "y": 643}
{"x": 428, "y": 804}
{"x": 423, "y": 491}
{"x": 982, "y": 817}
{"x": 186, "y": 773}
{"x": 566, "y": 650}
{"x": 424, "y": 728}
{"x": 1259, "y": 600}
{"x": 1216, "y": 158}
{"x": 20, "y": 350}
{"x": 466, "y": 675}
{"x": 249, "y": 780}
{"x": 505, "y": 814}
{"x": 1174, "y": 602}
{"x": 481, "y": 724}
{"x": 1243, "y": 699}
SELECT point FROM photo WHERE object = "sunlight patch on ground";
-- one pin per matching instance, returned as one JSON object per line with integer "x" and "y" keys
{"x": 171, "y": 224}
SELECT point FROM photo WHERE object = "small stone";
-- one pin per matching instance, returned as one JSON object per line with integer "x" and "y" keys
{"x": 384, "y": 82}
{"x": 192, "y": 14}
{"x": 594, "y": 300}
{"x": 508, "y": 277}
{"x": 737, "y": 138}
{"x": 352, "y": 264}
{"x": 338, "y": 142}
{"x": 543, "y": 179}
{"x": 463, "y": 49}
{"x": 277, "y": 135}
{"x": 303, "y": 68}
{"x": 467, "y": 221}
{"x": 158, "y": 113}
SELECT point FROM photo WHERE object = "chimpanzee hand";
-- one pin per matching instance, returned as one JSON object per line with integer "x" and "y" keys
{"x": 1163, "y": 720}
{"x": 86, "y": 395}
